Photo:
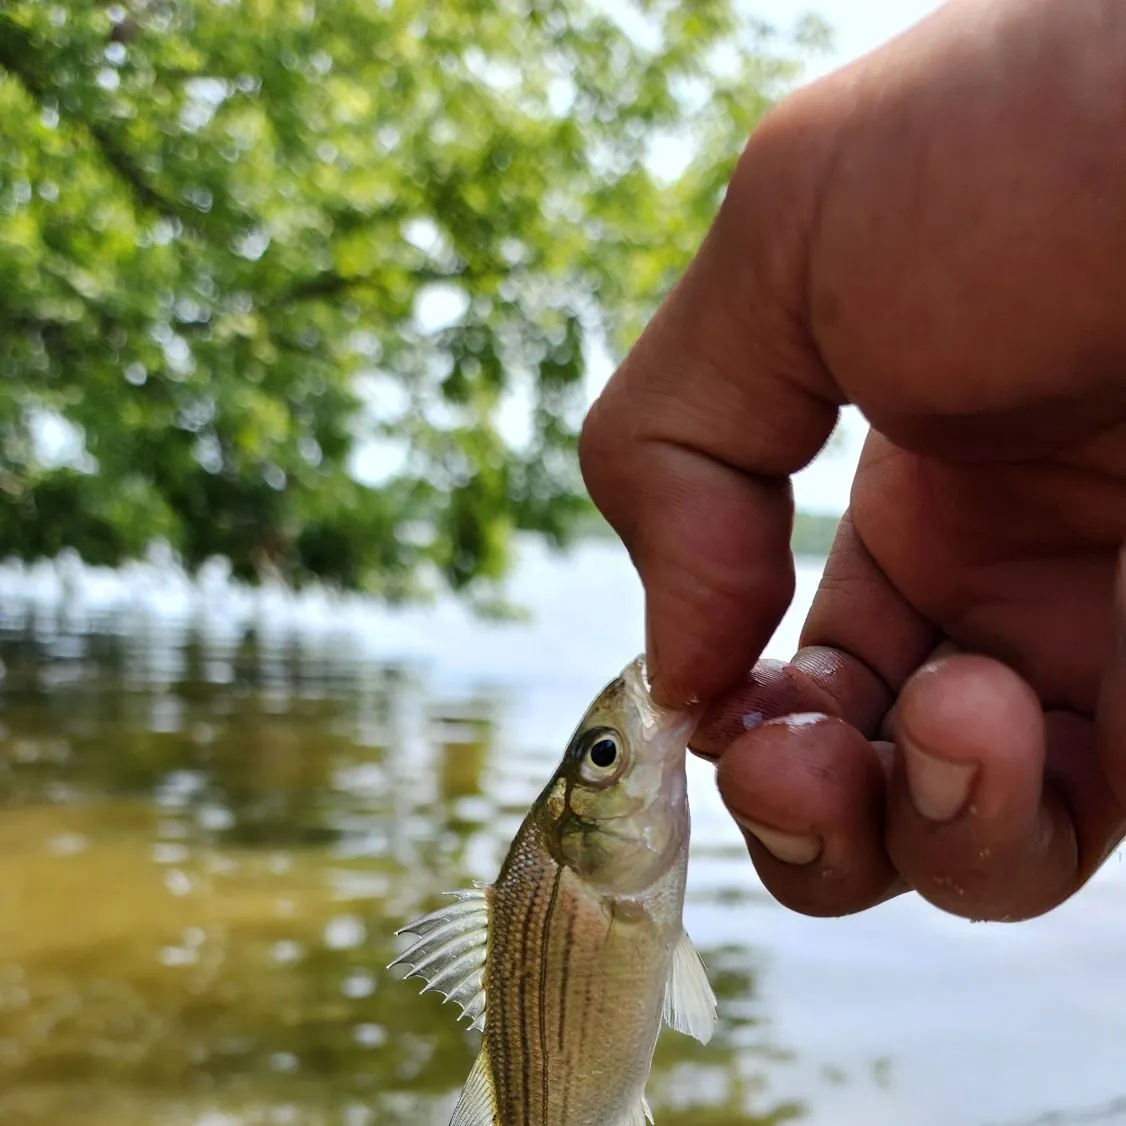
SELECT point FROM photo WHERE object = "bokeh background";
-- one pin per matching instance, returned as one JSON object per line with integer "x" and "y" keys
{"x": 301, "y": 304}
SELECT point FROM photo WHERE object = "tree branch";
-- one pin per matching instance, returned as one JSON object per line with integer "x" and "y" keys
{"x": 18, "y": 52}
{"x": 328, "y": 283}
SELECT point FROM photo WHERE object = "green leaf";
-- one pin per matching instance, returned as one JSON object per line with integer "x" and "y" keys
{"x": 285, "y": 269}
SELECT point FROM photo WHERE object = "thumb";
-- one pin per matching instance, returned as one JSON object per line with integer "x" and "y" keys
{"x": 689, "y": 449}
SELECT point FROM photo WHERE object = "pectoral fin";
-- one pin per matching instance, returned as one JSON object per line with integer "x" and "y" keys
{"x": 639, "y": 1115}
{"x": 478, "y": 1104}
{"x": 450, "y": 952}
{"x": 690, "y": 1004}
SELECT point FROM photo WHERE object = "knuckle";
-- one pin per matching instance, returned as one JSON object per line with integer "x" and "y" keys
{"x": 826, "y": 890}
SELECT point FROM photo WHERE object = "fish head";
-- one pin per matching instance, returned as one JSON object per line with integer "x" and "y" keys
{"x": 618, "y": 805}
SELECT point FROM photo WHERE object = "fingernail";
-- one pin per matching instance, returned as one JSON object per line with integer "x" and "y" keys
{"x": 790, "y": 848}
{"x": 796, "y": 720}
{"x": 752, "y": 720}
{"x": 938, "y": 788}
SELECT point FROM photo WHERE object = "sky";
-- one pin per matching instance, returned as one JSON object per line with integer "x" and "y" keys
{"x": 860, "y": 25}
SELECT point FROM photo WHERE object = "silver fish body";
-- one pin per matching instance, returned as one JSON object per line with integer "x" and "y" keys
{"x": 579, "y": 945}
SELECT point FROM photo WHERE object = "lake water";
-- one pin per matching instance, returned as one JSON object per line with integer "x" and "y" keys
{"x": 217, "y": 806}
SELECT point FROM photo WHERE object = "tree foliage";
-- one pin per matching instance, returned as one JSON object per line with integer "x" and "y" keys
{"x": 314, "y": 285}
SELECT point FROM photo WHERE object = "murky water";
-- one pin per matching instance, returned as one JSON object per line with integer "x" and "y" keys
{"x": 216, "y": 807}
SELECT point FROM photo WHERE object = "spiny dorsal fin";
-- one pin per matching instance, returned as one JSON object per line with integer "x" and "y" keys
{"x": 450, "y": 952}
{"x": 690, "y": 1004}
{"x": 477, "y": 1105}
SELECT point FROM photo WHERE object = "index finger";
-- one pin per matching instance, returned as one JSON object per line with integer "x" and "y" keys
{"x": 689, "y": 449}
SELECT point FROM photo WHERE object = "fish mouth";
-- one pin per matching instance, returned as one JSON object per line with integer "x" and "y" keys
{"x": 643, "y": 673}
{"x": 679, "y": 723}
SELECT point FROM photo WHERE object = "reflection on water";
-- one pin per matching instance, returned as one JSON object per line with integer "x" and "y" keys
{"x": 206, "y": 844}
{"x": 216, "y": 807}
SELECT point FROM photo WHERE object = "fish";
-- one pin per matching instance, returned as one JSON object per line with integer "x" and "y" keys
{"x": 572, "y": 961}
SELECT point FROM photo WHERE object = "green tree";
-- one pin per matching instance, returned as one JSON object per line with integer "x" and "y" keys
{"x": 243, "y": 241}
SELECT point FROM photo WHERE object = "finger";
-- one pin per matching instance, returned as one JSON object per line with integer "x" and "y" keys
{"x": 887, "y": 727}
{"x": 860, "y": 642}
{"x": 878, "y": 637}
{"x": 992, "y": 807}
{"x": 770, "y": 690}
{"x": 822, "y": 782}
{"x": 689, "y": 449}
{"x": 808, "y": 793}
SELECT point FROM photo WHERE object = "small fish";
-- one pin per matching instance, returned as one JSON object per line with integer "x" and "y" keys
{"x": 572, "y": 959}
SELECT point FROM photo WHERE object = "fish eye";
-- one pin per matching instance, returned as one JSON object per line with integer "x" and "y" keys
{"x": 604, "y": 753}
{"x": 602, "y": 756}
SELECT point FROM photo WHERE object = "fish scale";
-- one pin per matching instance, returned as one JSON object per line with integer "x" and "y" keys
{"x": 572, "y": 960}
{"x": 584, "y": 987}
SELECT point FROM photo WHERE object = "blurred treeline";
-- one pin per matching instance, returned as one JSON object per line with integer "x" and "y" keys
{"x": 314, "y": 286}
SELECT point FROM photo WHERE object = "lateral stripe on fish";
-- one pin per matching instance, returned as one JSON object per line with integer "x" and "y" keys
{"x": 551, "y": 905}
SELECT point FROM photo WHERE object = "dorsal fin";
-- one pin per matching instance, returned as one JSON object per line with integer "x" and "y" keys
{"x": 450, "y": 952}
{"x": 690, "y": 1004}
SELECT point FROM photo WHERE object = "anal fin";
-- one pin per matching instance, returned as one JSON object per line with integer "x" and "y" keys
{"x": 690, "y": 1004}
{"x": 478, "y": 1104}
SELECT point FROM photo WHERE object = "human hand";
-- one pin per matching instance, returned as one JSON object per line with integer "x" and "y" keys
{"x": 935, "y": 234}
